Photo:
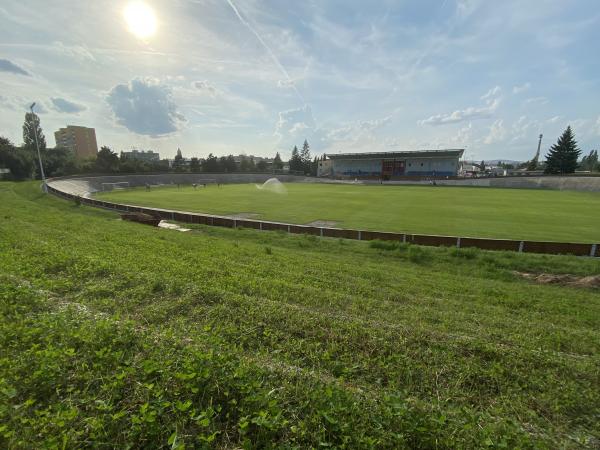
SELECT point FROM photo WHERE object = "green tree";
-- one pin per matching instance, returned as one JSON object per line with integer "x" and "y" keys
{"x": 230, "y": 166}
{"x": 107, "y": 161}
{"x": 305, "y": 157}
{"x": 562, "y": 156}
{"x": 277, "y": 162}
{"x": 20, "y": 162}
{"x": 223, "y": 164}
{"x": 261, "y": 166}
{"x": 58, "y": 162}
{"x": 532, "y": 165}
{"x": 247, "y": 164}
{"x": 295, "y": 161}
{"x": 590, "y": 162}
{"x": 31, "y": 126}
{"x": 194, "y": 165}
{"x": 210, "y": 164}
{"x": 179, "y": 162}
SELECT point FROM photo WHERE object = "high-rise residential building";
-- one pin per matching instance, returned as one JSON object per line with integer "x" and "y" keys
{"x": 80, "y": 140}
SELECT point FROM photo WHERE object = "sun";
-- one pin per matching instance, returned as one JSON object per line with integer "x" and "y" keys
{"x": 140, "y": 18}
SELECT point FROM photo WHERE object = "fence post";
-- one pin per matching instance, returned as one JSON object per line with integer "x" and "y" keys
{"x": 234, "y": 223}
{"x": 458, "y": 242}
{"x": 289, "y": 229}
{"x": 593, "y": 249}
{"x": 359, "y": 235}
{"x": 260, "y": 226}
{"x": 521, "y": 246}
{"x": 321, "y": 231}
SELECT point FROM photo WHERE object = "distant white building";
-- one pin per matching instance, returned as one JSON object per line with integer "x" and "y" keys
{"x": 141, "y": 155}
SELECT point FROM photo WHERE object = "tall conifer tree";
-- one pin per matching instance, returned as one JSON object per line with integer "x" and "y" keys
{"x": 562, "y": 156}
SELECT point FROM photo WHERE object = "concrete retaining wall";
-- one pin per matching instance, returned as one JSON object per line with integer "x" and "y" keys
{"x": 578, "y": 249}
{"x": 572, "y": 183}
{"x": 86, "y": 185}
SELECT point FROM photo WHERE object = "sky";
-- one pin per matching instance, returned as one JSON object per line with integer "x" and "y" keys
{"x": 256, "y": 77}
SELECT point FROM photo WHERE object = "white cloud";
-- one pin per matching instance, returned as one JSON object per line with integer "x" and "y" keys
{"x": 66, "y": 106}
{"x": 295, "y": 125}
{"x": 461, "y": 115}
{"x": 78, "y": 52}
{"x": 492, "y": 93}
{"x": 21, "y": 104}
{"x": 536, "y": 101}
{"x": 521, "y": 88}
{"x": 463, "y": 136}
{"x": 554, "y": 119}
{"x": 497, "y": 132}
{"x": 144, "y": 106}
{"x": 492, "y": 101}
{"x": 525, "y": 130}
{"x": 465, "y": 8}
{"x": 294, "y": 122}
{"x": 267, "y": 47}
{"x": 206, "y": 87}
{"x": 286, "y": 83}
{"x": 11, "y": 67}
{"x": 357, "y": 130}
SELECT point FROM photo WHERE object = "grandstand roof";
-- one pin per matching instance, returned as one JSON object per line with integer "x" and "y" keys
{"x": 446, "y": 153}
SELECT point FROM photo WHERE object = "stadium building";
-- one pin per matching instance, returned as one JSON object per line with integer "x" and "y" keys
{"x": 389, "y": 165}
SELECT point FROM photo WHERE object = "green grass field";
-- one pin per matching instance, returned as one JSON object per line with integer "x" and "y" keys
{"x": 457, "y": 211}
{"x": 121, "y": 335}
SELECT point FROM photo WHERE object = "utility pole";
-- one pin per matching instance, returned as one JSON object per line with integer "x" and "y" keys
{"x": 37, "y": 146}
{"x": 533, "y": 164}
{"x": 537, "y": 155}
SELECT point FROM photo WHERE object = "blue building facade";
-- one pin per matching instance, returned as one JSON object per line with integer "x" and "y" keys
{"x": 390, "y": 165}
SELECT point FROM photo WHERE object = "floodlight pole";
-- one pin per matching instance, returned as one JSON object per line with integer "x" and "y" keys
{"x": 37, "y": 146}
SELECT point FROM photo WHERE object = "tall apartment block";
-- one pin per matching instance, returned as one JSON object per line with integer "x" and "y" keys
{"x": 80, "y": 140}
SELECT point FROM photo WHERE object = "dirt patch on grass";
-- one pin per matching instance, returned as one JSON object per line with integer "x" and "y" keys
{"x": 322, "y": 223}
{"x": 592, "y": 281}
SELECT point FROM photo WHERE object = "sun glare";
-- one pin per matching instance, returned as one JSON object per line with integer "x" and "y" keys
{"x": 140, "y": 18}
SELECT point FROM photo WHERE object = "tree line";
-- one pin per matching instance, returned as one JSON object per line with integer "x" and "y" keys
{"x": 563, "y": 157}
{"x": 22, "y": 161}
{"x": 301, "y": 161}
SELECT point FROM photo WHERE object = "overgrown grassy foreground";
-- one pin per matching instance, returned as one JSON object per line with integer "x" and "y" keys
{"x": 115, "y": 334}
{"x": 563, "y": 216}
